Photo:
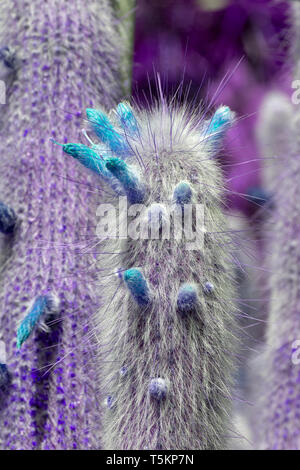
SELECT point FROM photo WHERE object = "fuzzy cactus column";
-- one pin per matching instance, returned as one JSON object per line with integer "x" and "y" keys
{"x": 278, "y": 392}
{"x": 167, "y": 328}
{"x": 68, "y": 58}
{"x": 166, "y": 325}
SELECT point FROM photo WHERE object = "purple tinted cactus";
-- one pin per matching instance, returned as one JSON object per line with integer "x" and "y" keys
{"x": 172, "y": 342}
{"x": 69, "y": 58}
{"x": 274, "y": 135}
{"x": 278, "y": 395}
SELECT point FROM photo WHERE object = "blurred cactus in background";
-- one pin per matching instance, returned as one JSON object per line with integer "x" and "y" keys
{"x": 277, "y": 393}
{"x": 68, "y": 56}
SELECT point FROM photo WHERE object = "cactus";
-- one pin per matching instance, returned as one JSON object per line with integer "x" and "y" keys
{"x": 278, "y": 392}
{"x": 273, "y": 135}
{"x": 165, "y": 328}
{"x": 68, "y": 55}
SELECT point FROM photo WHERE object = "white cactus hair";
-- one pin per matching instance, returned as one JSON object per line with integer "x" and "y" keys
{"x": 143, "y": 339}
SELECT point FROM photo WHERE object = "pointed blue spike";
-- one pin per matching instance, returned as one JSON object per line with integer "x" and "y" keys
{"x": 137, "y": 286}
{"x": 182, "y": 193}
{"x": 133, "y": 188}
{"x": 43, "y": 305}
{"x": 127, "y": 119}
{"x": 88, "y": 158}
{"x": 219, "y": 124}
{"x": 8, "y": 219}
{"x": 92, "y": 160}
{"x": 187, "y": 298}
{"x": 105, "y": 131}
